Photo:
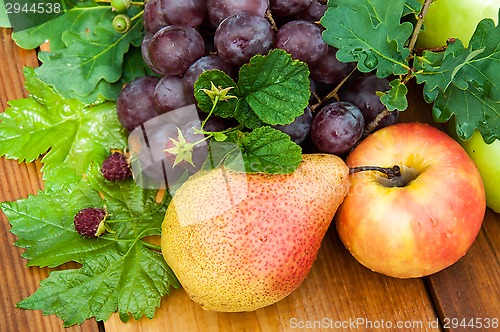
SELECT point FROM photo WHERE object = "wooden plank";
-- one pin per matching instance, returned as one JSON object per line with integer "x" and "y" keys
{"x": 337, "y": 291}
{"x": 469, "y": 291}
{"x": 17, "y": 181}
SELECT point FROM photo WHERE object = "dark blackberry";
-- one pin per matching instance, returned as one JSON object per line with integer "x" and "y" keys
{"x": 116, "y": 167}
{"x": 89, "y": 222}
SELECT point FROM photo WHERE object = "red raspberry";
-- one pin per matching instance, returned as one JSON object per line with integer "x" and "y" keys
{"x": 89, "y": 222}
{"x": 116, "y": 167}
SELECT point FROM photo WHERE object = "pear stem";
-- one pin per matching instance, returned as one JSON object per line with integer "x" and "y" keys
{"x": 389, "y": 172}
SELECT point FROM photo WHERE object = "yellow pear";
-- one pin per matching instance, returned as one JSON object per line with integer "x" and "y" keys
{"x": 242, "y": 241}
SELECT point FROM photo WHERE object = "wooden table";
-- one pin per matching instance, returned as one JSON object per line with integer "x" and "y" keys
{"x": 339, "y": 293}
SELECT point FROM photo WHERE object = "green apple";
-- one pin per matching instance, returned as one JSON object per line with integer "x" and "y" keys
{"x": 455, "y": 19}
{"x": 487, "y": 159}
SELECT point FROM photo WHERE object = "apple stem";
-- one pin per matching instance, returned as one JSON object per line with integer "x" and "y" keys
{"x": 390, "y": 172}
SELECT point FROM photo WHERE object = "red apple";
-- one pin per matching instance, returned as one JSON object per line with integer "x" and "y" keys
{"x": 420, "y": 222}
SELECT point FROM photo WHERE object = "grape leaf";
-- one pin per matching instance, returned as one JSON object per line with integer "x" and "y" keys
{"x": 275, "y": 87}
{"x": 464, "y": 82}
{"x": 269, "y": 151}
{"x": 69, "y": 133}
{"x": 369, "y": 32}
{"x": 119, "y": 272}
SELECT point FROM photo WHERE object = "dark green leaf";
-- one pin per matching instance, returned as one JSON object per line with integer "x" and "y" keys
{"x": 464, "y": 82}
{"x": 270, "y": 151}
{"x": 246, "y": 116}
{"x": 412, "y": 7}
{"x": 275, "y": 87}
{"x": 93, "y": 53}
{"x": 369, "y": 32}
{"x": 224, "y": 109}
{"x": 395, "y": 99}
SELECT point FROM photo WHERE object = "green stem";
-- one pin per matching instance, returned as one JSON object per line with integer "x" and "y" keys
{"x": 137, "y": 15}
{"x": 151, "y": 246}
{"x": 214, "y": 103}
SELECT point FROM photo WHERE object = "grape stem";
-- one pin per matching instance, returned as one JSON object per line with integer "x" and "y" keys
{"x": 334, "y": 92}
{"x": 389, "y": 172}
{"x": 376, "y": 122}
{"x": 270, "y": 19}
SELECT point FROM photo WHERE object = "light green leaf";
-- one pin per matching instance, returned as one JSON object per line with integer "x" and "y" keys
{"x": 68, "y": 133}
{"x": 4, "y": 19}
{"x": 119, "y": 272}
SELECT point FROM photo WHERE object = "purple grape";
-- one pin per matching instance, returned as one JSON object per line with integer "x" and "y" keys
{"x": 299, "y": 128}
{"x": 205, "y": 63}
{"x": 329, "y": 69}
{"x": 303, "y": 40}
{"x": 240, "y": 37}
{"x": 189, "y": 13}
{"x": 314, "y": 12}
{"x": 288, "y": 7}
{"x": 174, "y": 48}
{"x": 363, "y": 93}
{"x": 134, "y": 104}
{"x": 218, "y": 10}
{"x": 151, "y": 18}
{"x": 170, "y": 94}
{"x": 337, "y": 127}
{"x": 146, "y": 41}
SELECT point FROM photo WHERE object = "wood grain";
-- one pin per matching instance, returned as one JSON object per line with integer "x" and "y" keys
{"x": 337, "y": 290}
{"x": 18, "y": 181}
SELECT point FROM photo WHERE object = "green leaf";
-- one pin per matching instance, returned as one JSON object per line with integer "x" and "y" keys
{"x": 119, "y": 272}
{"x": 369, "y": 32}
{"x": 275, "y": 87}
{"x": 87, "y": 58}
{"x": 395, "y": 98}
{"x": 224, "y": 109}
{"x": 463, "y": 82}
{"x": 269, "y": 151}
{"x": 246, "y": 116}
{"x": 412, "y": 7}
{"x": 69, "y": 133}
{"x": 4, "y": 19}
{"x": 91, "y": 54}
{"x": 73, "y": 20}
{"x": 110, "y": 91}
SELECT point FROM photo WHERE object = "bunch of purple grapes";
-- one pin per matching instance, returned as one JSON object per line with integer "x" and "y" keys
{"x": 182, "y": 39}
